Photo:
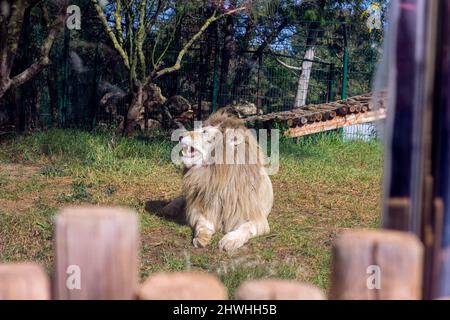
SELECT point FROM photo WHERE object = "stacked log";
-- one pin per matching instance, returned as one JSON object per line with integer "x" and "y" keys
{"x": 310, "y": 114}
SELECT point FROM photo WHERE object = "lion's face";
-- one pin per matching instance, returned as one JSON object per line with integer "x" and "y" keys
{"x": 197, "y": 147}
{"x": 208, "y": 145}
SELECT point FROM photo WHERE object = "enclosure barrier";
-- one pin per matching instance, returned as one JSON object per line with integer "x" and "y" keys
{"x": 396, "y": 257}
{"x": 23, "y": 281}
{"x": 97, "y": 250}
{"x": 101, "y": 244}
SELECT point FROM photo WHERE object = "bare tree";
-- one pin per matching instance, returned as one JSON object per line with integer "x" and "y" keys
{"x": 132, "y": 24}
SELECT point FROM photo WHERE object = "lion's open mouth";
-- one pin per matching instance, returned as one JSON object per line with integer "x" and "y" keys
{"x": 190, "y": 152}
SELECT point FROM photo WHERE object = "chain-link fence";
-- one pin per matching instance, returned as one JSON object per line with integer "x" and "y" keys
{"x": 309, "y": 63}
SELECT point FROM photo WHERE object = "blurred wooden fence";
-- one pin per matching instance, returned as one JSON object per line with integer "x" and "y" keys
{"x": 97, "y": 250}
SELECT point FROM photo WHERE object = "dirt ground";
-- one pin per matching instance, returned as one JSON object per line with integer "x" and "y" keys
{"x": 318, "y": 194}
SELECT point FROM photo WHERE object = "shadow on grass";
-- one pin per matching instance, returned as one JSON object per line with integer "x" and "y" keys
{"x": 156, "y": 206}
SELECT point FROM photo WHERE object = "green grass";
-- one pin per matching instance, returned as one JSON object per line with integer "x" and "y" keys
{"x": 324, "y": 186}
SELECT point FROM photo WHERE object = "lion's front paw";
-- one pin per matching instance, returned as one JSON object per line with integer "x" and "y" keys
{"x": 232, "y": 241}
{"x": 201, "y": 241}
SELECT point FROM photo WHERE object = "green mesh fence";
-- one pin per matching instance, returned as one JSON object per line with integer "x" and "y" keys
{"x": 342, "y": 64}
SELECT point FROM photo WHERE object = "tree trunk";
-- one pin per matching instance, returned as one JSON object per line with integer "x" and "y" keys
{"x": 146, "y": 96}
{"x": 5, "y": 84}
{"x": 10, "y": 33}
{"x": 305, "y": 76}
{"x": 135, "y": 111}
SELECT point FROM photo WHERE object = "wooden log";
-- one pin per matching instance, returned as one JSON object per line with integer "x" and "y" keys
{"x": 377, "y": 265}
{"x": 278, "y": 290}
{"x": 304, "y": 120}
{"x": 319, "y": 117}
{"x": 351, "y": 108}
{"x": 331, "y": 115}
{"x": 313, "y": 113}
{"x": 182, "y": 286}
{"x": 299, "y": 121}
{"x": 290, "y": 122}
{"x": 23, "y": 281}
{"x": 336, "y": 123}
{"x": 301, "y": 115}
{"x": 327, "y": 112}
{"x": 362, "y": 98}
{"x": 96, "y": 253}
{"x": 310, "y": 116}
{"x": 311, "y": 119}
{"x": 328, "y": 106}
{"x": 301, "y": 111}
{"x": 342, "y": 111}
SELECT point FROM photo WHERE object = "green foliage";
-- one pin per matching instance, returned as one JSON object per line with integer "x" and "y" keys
{"x": 85, "y": 67}
{"x": 103, "y": 151}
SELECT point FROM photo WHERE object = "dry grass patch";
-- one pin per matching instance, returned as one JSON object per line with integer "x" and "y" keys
{"x": 323, "y": 187}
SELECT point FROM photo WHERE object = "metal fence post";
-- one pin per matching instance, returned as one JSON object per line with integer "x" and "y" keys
{"x": 345, "y": 65}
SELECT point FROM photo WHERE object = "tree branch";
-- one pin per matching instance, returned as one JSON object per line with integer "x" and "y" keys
{"x": 9, "y": 52}
{"x": 189, "y": 44}
{"x": 12, "y": 37}
{"x": 44, "y": 59}
{"x": 284, "y": 64}
{"x": 118, "y": 22}
{"x": 111, "y": 34}
{"x": 141, "y": 33}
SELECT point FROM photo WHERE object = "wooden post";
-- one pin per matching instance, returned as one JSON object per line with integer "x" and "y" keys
{"x": 23, "y": 281}
{"x": 182, "y": 286}
{"x": 377, "y": 265}
{"x": 399, "y": 214}
{"x": 278, "y": 290}
{"x": 96, "y": 253}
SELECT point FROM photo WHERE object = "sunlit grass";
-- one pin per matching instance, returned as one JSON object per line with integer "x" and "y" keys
{"x": 324, "y": 185}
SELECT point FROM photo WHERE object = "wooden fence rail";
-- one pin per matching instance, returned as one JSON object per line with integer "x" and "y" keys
{"x": 96, "y": 257}
{"x": 333, "y": 115}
